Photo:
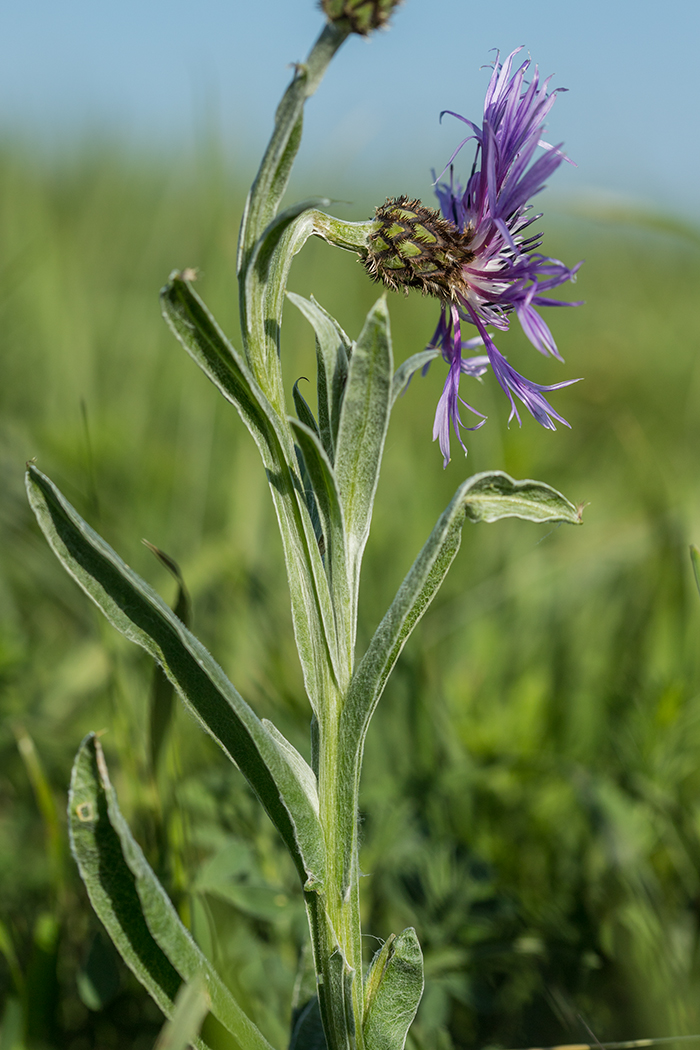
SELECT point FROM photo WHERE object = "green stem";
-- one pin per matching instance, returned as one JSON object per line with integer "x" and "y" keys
{"x": 334, "y": 914}
{"x": 273, "y": 175}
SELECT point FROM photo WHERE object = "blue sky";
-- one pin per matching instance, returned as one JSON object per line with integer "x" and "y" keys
{"x": 155, "y": 72}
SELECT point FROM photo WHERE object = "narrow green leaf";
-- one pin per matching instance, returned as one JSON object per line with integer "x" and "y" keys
{"x": 7, "y": 950}
{"x": 326, "y": 492}
{"x": 395, "y": 983}
{"x": 12, "y": 1027}
{"x": 191, "y": 1007}
{"x": 483, "y": 497}
{"x": 132, "y": 904}
{"x": 303, "y": 411}
{"x": 110, "y": 884}
{"x": 405, "y": 372}
{"x": 46, "y": 805}
{"x": 312, "y": 614}
{"x": 333, "y": 350}
{"x": 364, "y": 419}
{"x": 143, "y": 617}
{"x": 695, "y": 559}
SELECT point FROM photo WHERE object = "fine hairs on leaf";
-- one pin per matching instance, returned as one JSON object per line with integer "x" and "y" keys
{"x": 322, "y": 475}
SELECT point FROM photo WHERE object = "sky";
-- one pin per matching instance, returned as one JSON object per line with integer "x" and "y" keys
{"x": 158, "y": 74}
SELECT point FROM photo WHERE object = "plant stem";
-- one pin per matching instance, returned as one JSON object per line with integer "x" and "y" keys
{"x": 334, "y": 916}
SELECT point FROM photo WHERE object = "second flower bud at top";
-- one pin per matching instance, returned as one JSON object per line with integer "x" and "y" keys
{"x": 363, "y": 16}
{"x": 415, "y": 247}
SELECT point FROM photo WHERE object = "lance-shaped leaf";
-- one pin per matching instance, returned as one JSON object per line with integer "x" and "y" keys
{"x": 393, "y": 992}
{"x": 142, "y": 616}
{"x": 312, "y": 613}
{"x": 333, "y": 350}
{"x": 325, "y": 490}
{"x": 132, "y": 904}
{"x": 364, "y": 419}
{"x": 485, "y": 497}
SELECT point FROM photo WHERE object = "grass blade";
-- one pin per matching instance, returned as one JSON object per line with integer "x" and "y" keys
{"x": 191, "y": 1007}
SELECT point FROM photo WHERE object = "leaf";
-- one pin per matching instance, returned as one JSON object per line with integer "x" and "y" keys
{"x": 364, "y": 419}
{"x": 312, "y": 614}
{"x": 303, "y": 411}
{"x": 333, "y": 350}
{"x": 46, "y": 804}
{"x": 132, "y": 904}
{"x": 263, "y": 291}
{"x": 191, "y": 1007}
{"x": 306, "y": 416}
{"x": 494, "y": 495}
{"x": 483, "y": 497}
{"x": 328, "y": 501}
{"x": 695, "y": 559}
{"x": 143, "y": 617}
{"x": 405, "y": 372}
{"x": 395, "y": 987}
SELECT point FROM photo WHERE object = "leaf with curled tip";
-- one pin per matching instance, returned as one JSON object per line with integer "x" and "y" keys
{"x": 484, "y": 497}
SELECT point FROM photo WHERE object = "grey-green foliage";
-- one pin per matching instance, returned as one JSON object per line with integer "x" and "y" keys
{"x": 364, "y": 418}
{"x": 140, "y": 614}
{"x": 323, "y": 479}
{"x": 132, "y": 904}
{"x": 485, "y": 497}
{"x": 201, "y": 337}
{"x": 393, "y": 991}
{"x": 333, "y": 350}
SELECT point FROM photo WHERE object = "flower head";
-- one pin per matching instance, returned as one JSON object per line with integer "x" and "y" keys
{"x": 486, "y": 265}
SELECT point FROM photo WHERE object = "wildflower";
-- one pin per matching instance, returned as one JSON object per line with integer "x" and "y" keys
{"x": 476, "y": 256}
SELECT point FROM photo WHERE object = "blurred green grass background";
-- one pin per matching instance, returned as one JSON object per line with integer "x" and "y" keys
{"x": 531, "y": 792}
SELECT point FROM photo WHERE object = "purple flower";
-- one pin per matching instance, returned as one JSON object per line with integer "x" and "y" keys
{"x": 500, "y": 272}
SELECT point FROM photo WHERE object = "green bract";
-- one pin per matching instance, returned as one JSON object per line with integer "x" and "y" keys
{"x": 323, "y": 475}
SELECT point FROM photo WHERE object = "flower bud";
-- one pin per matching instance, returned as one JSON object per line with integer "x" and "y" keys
{"x": 414, "y": 247}
{"x": 363, "y": 16}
